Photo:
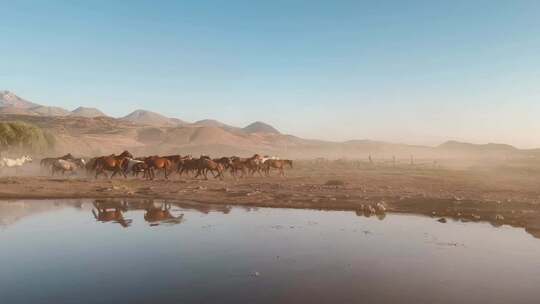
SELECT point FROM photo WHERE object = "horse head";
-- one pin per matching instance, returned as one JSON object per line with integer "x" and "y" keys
{"x": 67, "y": 157}
{"x": 289, "y": 162}
{"x": 126, "y": 154}
{"x": 80, "y": 162}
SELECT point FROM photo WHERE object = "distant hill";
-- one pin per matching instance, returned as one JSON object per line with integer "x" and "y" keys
{"x": 468, "y": 147}
{"x": 16, "y": 110}
{"x": 9, "y": 99}
{"x": 87, "y": 112}
{"x": 50, "y": 111}
{"x": 260, "y": 127}
{"x": 151, "y": 118}
{"x": 215, "y": 123}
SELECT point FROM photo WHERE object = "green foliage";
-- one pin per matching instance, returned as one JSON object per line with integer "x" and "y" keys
{"x": 18, "y": 135}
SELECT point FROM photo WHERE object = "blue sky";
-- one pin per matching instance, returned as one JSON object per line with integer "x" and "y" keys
{"x": 405, "y": 71}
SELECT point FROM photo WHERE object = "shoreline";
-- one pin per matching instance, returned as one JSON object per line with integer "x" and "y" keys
{"x": 458, "y": 195}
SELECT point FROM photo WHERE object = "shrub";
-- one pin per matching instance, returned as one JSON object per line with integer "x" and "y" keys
{"x": 335, "y": 182}
{"x": 18, "y": 135}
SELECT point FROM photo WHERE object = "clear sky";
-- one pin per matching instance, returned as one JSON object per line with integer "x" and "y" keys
{"x": 404, "y": 71}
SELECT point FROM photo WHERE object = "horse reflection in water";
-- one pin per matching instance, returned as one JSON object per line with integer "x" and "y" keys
{"x": 161, "y": 214}
{"x": 111, "y": 211}
{"x": 156, "y": 213}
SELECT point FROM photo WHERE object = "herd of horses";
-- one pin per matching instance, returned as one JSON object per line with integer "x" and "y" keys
{"x": 126, "y": 164}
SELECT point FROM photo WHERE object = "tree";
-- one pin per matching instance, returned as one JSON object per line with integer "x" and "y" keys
{"x": 20, "y": 136}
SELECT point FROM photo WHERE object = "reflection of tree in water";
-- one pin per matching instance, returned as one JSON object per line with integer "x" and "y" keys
{"x": 111, "y": 211}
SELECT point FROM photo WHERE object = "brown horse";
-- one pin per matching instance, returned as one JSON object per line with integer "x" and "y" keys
{"x": 114, "y": 163}
{"x": 278, "y": 164}
{"x": 110, "y": 163}
{"x": 226, "y": 162}
{"x": 205, "y": 164}
{"x": 187, "y": 165}
{"x": 251, "y": 164}
{"x": 175, "y": 159}
{"x": 237, "y": 165}
{"x": 157, "y": 163}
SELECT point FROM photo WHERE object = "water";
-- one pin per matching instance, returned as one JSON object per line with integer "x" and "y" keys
{"x": 58, "y": 252}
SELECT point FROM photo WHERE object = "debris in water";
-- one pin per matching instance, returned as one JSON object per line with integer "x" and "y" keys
{"x": 441, "y": 220}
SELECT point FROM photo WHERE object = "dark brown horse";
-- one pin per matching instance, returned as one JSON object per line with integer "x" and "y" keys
{"x": 226, "y": 162}
{"x": 187, "y": 165}
{"x": 205, "y": 164}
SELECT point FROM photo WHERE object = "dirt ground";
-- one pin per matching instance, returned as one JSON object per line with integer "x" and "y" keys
{"x": 496, "y": 194}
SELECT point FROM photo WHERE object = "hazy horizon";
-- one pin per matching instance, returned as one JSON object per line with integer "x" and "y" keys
{"x": 415, "y": 72}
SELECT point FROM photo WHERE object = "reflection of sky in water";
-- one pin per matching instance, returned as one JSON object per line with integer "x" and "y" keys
{"x": 65, "y": 256}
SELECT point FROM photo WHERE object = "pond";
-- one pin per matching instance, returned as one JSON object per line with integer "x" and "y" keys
{"x": 129, "y": 251}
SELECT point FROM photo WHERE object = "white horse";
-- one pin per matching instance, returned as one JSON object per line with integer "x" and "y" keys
{"x": 18, "y": 162}
{"x": 134, "y": 166}
{"x": 61, "y": 165}
{"x": 14, "y": 163}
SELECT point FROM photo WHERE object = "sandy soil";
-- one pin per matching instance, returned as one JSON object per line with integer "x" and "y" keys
{"x": 499, "y": 196}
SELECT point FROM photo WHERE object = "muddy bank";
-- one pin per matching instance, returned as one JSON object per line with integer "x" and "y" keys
{"x": 464, "y": 195}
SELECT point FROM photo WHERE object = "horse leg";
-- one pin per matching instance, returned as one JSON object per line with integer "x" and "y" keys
{"x": 101, "y": 171}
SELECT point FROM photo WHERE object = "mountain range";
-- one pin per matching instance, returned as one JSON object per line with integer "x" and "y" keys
{"x": 89, "y": 131}
{"x": 13, "y": 104}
